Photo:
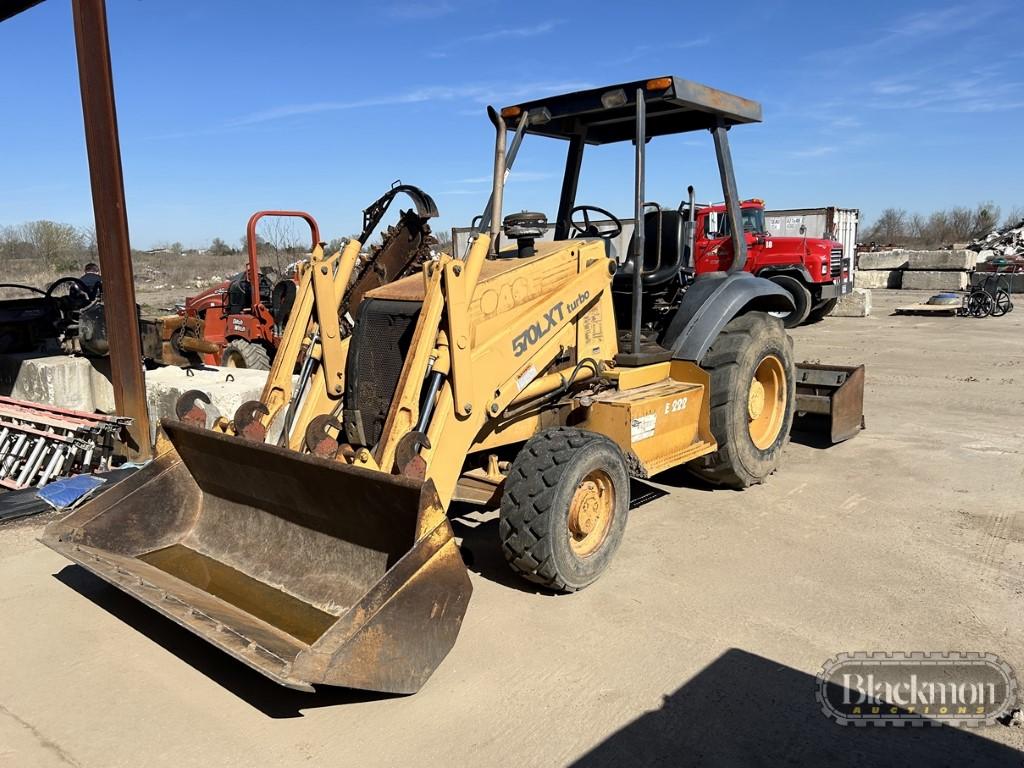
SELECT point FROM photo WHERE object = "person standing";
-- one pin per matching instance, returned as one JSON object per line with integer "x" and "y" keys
{"x": 92, "y": 280}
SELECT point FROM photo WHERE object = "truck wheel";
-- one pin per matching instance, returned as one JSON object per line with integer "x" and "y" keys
{"x": 240, "y": 353}
{"x": 801, "y": 300}
{"x": 563, "y": 511}
{"x": 752, "y": 400}
{"x": 822, "y": 310}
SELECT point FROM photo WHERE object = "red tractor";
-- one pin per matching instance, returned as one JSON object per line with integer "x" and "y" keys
{"x": 245, "y": 315}
{"x": 812, "y": 270}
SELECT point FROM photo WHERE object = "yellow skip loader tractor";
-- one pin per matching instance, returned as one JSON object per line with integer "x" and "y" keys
{"x": 308, "y": 536}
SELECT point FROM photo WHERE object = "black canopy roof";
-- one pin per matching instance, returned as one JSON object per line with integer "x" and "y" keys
{"x": 606, "y": 115}
{"x": 10, "y": 8}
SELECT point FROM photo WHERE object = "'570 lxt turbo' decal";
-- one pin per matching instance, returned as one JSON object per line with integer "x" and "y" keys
{"x": 541, "y": 328}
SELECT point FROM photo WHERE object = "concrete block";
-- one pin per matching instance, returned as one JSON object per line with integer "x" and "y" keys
{"x": 100, "y": 380}
{"x": 857, "y": 303}
{"x": 1015, "y": 283}
{"x": 84, "y": 384}
{"x": 882, "y": 260}
{"x": 59, "y": 380}
{"x": 934, "y": 280}
{"x": 878, "y": 278}
{"x": 165, "y": 385}
{"x": 959, "y": 261}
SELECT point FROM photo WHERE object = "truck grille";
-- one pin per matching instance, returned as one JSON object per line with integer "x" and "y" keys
{"x": 836, "y": 262}
{"x": 376, "y": 355}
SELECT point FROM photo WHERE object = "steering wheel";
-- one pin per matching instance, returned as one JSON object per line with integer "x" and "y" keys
{"x": 71, "y": 296}
{"x": 587, "y": 229}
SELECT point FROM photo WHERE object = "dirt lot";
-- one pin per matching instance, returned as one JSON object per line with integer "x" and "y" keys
{"x": 698, "y": 646}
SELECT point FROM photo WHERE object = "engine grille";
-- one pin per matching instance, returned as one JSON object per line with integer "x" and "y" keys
{"x": 380, "y": 342}
{"x": 836, "y": 262}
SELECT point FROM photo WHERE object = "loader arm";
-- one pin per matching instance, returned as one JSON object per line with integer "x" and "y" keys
{"x": 316, "y": 338}
{"x": 312, "y": 331}
{"x": 490, "y": 365}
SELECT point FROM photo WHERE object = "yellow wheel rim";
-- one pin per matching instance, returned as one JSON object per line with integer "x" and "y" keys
{"x": 590, "y": 513}
{"x": 766, "y": 402}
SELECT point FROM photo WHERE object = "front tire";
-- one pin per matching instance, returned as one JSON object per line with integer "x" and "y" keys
{"x": 563, "y": 511}
{"x": 240, "y": 353}
{"x": 753, "y": 396}
{"x": 801, "y": 300}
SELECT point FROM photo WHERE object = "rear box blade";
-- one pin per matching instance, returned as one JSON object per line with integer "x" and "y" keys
{"x": 830, "y": 398}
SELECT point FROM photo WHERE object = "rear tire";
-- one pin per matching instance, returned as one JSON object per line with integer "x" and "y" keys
{"x": 801, "y": 299}
{"x": 822, "y": 311}
{"x": 240, "y": 353}
{"x": 750, "y": 415}
{"x": 563, "y": 511}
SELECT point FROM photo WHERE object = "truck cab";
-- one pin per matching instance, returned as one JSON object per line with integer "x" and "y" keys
{"x": 812, "y": 270}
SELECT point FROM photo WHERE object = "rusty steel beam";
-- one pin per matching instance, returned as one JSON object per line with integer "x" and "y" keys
{"x": 101, "y": 140}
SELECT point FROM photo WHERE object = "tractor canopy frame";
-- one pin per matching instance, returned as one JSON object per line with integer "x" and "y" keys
{"x": 635, "y": 111}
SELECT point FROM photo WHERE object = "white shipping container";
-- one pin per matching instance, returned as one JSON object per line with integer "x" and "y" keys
{"x": 838, "y": 223}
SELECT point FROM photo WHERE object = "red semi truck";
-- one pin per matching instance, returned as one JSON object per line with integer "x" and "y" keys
{"x": 813, "y": 270}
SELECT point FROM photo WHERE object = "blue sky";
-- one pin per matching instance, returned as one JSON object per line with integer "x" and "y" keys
{"x": 228, "y": 107}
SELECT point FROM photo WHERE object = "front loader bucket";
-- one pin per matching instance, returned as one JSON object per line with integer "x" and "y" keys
{"x": 831, "y": 396}
{"x": 308, "y": 570}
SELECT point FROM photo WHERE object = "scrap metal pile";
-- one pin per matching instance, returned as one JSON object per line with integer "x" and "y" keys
{"x": 39, "y": 443}
{"x": 1002, "y": 246}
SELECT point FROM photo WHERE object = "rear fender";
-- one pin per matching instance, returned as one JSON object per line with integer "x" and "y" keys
{"x": 712, "y": 301}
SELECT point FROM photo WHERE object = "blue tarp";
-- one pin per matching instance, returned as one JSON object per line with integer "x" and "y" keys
{"x": 68, "y": 491}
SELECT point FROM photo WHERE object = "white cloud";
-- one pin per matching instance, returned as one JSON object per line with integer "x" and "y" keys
{"x": 480, "y": 94}
{"x": 514, "y": 175}
{"x": 513, "y": 32}
{"x": 915, "y": 28}
{"x": 813, "y": 152}
{"x": 646, "y": 50}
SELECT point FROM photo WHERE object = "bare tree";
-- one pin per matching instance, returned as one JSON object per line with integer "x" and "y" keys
{"x": 1014, "y": 217}
{"x": 444, "y": 241}
{"x": 59, "y": 245}
{"x": 917, "y": 227}
{"x": 890, "y": 227}
{"x": 944, "y": 227}
{"x": 986, "y": 219}
{"x": 219, "y": 248}
{"x": 283, "y": 240}
{"x": 335, "y": 245}
{"x": 12, "y": 246}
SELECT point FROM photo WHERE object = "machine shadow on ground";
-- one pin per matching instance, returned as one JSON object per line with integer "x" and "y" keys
{"x": 271, "y": 699}
{"x": 810, "y": 438}
{"x": 745, "y": 710}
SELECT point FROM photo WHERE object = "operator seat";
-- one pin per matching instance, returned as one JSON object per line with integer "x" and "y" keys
{"x": 239, "y": 298}
{"x": 239, "y": 295}
{"x": 673, "y": 256}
